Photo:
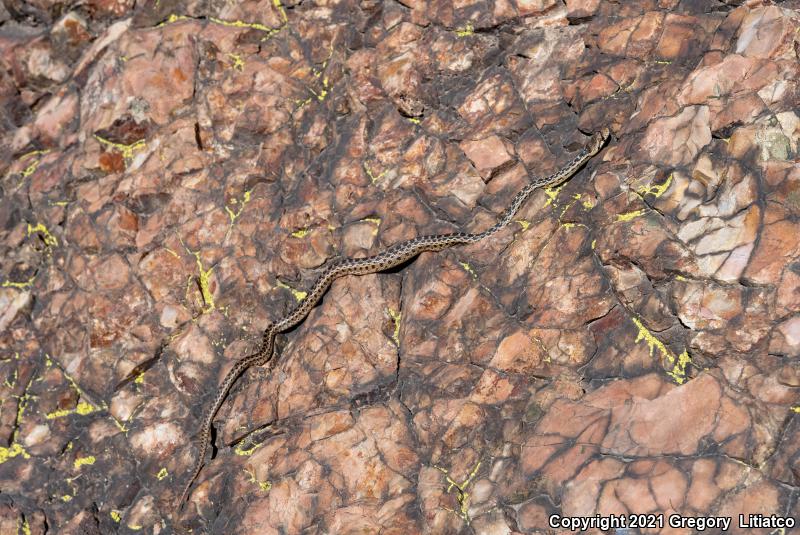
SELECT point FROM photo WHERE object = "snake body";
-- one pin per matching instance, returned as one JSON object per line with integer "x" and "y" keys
{"x": 391, "y": 257}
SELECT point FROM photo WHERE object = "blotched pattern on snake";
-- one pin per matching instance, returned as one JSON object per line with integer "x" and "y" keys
{"x": 391, "y": 257}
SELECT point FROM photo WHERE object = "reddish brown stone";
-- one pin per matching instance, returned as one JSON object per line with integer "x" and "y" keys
{"x": 614, "y": 38}
{"x": 677, "y": 140}
{"x": 581, "y": 8}
{"x": 174, "y": 181}
{"x": 486, "y": 154}
{"x": 680, "y": 37}
{"x": 778, "y": 245}
{"x": 530, "y": 7}
{"x": 768, "y": 32}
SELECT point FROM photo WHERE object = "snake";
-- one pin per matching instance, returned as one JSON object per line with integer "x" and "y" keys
{"x": 393, "y": 256}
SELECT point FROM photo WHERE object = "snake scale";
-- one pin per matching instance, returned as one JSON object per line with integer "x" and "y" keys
{"x": 391, "y": 257}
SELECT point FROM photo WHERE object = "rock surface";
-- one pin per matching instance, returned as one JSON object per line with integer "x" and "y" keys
{"x": 174, "y": 176}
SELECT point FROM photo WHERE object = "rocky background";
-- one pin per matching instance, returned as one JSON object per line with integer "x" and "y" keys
{"x": 175, "y": 174}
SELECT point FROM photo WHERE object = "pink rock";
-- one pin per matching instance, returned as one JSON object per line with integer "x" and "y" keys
{"x": 677, "y": 140}
{"x": 530, "y": 7}
{"x": 707, "y": 308}
{"x": 581, "y": 8}
{"x": 612, "y": 349}
{"x": 778, "y": 244}
{"x": 768, "y": 32}
{"x": 487, "y": 154}
{"x": 790, "y": 330}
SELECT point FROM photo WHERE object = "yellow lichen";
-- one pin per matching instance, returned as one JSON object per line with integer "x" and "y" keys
{"x": 162, "y": 474}
{"x": 13, "y": 451}
{"x": 242, "y": 24}
{"x": 469, "y": 269}
{"x": 375, "y": 221}
{"x": 85, "y": 408}
{"x": 323, "y": 93}
{"x": 657, "y": 190}
{"x": 647, "y": 336}
{"x": 12, "y": 381}
{"x": 16, "y": 449}
{"x": 279, "y": 7}
{"x": 463, "y": 495}
{"x": 552, "y": 194}
{"x": 263, "y": 485}
{"x": 58, "y": 414}
{"x": 466, "y": 30}
{"x": 240, "y": 450}
{"x": 19, "y": 285}
{"x": 83, "y": 461}
{"x": 23, "y": 403}
{"x": 31, "y": 168}
{"x": 203, "y": 279}
{"x": 126, "y": 150}
{"x": 300, "y": 103}
{"x": 238, "y": 62}
{"x": 319, "y": 73}
{"x": 372, "y": 177}
{"x": 302, "y": 233}
{"x": 49, "y": 239}
{"x": 115, "y": 516}
{"x": 33, "y": 153}
{"x": 28, "y": 171}
{"x": 66, "y": 498}
{"x": 396, "y": 317}
{"x": 234, "y": 215}
{"x": 678, "y": 371}
{"x": 172, "y": 19}
{"x": 629, "y": 215}
{"x": 299, "y": 295}
{"x": 119, "y": 425}
{"x": 82, "y": 408}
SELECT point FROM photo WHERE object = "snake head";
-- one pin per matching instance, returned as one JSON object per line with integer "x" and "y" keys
{"x": 598, "y": 139}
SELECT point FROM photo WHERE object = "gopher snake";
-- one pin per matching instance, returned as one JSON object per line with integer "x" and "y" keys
{"x": 391, "y": 257}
